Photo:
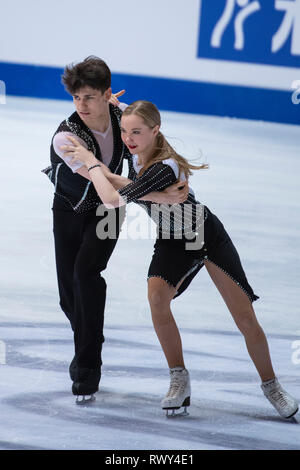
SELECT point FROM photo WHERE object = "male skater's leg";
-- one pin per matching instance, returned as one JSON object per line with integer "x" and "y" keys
{"x": 89, "y": 303}
{"x": 67, "y": 230}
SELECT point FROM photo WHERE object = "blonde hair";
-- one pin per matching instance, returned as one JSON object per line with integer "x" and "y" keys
{"x": 151, "y": 117}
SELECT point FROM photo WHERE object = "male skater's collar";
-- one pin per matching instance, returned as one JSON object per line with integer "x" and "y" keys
{"x": 105, "y": 133}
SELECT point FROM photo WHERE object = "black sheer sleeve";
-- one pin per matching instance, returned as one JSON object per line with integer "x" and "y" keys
{"x": 156, "y": 178}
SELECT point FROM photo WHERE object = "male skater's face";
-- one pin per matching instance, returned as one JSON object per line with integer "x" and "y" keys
{"x": 91, "y": 104}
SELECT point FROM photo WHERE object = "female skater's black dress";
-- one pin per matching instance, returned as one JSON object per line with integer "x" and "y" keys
{"x": 187, "y": 233}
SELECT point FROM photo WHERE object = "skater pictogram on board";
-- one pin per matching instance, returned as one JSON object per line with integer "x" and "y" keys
{"x": 259, "y": 31}
{"x": 289, "y": 26}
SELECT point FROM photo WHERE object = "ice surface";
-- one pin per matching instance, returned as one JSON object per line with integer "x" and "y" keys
{"x": 253, "y": 187}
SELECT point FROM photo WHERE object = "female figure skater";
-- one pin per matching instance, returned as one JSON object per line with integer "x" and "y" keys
{"x": 154, "y": 166}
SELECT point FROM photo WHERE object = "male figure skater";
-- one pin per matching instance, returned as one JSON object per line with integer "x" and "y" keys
{"x": 80, "y": 255}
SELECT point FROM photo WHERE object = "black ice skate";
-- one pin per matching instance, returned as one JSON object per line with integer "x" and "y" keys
{"x": 86, "y": 383}
{"x": 73, "y": 369}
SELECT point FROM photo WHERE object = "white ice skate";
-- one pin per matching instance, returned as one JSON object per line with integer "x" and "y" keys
{"x": 284, "y": 403}
{"x": 179, "y": 392}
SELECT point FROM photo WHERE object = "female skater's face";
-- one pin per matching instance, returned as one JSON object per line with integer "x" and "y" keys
{"x": 138, "y": 137}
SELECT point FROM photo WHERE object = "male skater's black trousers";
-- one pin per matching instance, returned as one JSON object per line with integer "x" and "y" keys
{"x": 80, "y": 258}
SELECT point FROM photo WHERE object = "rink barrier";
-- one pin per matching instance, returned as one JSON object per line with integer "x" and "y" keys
{"x": 168, "y": 94}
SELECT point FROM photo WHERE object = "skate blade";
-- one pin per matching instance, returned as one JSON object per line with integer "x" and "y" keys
{"x": 85, "y": 399}
{"x": 173, "y": 413}
{"x": 185, "y": 404}
{"x": 292, "y": 418}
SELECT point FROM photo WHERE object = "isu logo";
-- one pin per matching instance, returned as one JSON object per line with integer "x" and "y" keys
{"x": 296, "y": 94}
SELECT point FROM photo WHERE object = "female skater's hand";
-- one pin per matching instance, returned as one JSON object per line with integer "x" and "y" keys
{"x": 114, "y": 97}
{"x": 174, "y": 195}
{"x": 78, "y": 152}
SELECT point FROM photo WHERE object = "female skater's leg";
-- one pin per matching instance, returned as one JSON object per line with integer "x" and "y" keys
{"x": 160, "y": 294}
{"x": 243, "y": 314}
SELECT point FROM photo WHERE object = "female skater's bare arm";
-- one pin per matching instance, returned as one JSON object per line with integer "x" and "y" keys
{"x": 174, "y": 194}
{"x": 98, "y": 173}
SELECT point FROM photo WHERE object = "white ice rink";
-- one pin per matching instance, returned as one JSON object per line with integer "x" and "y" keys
{"x": 253, "y": 187}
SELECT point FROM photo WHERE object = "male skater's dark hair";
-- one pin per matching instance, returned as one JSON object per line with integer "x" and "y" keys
{"x": 91, "y": 72}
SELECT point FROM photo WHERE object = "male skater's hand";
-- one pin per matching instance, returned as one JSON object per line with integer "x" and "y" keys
{"x": 114, "y": 97}
{"x": 174, "y": 194}
{"x": 177, "y": 192}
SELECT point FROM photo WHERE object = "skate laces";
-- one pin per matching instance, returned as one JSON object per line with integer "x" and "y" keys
{"x": 178, "y": 382}
{"x": 279, "y": 397}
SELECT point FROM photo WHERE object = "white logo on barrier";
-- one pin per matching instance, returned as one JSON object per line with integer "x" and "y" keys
{"x": 247, "y": 9}
{"x": 2, "y": 92}
{"x": 2, "y": 352}
{"x": 290, "y": 24}
{"x": 296, "y": 354}
{"x": 296, "y": 95}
